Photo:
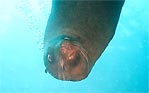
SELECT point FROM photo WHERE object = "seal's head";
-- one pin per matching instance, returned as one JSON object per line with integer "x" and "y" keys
{"x": 77, "y": 33}
{"x": 66, "y": 59}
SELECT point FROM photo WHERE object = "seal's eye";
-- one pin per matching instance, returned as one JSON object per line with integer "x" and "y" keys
{"x": 66, "y": 38}
{"x": 49, "y": 58}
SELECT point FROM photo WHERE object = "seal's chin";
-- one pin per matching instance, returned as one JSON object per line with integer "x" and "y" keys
{"x": 67, "y": 60}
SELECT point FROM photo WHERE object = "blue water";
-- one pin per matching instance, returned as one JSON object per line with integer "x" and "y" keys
{"x": 123, "y": 67}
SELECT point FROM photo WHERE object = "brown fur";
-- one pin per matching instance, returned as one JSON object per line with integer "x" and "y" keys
{"x": 91, "y": 23}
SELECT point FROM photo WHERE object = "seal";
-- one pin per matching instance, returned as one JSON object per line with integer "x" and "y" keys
{"x": 76, "y": 35}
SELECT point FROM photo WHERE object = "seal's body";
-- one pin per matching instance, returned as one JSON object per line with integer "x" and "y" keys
{"x": 76, "y": 35}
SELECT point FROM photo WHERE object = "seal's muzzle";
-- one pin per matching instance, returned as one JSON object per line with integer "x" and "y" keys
{"x": 67, "y": 60}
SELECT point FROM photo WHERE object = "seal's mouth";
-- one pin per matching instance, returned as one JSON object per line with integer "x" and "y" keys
{"x": 67, "y": 60}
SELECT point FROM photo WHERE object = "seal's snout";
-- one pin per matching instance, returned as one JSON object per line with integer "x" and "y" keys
{"x": 69, "y": 53}
{"x": 67, "y": 60}
{"x": 65, "y": 55}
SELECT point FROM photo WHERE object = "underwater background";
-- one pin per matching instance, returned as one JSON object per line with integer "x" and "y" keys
{"x": 123, "y": 67}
